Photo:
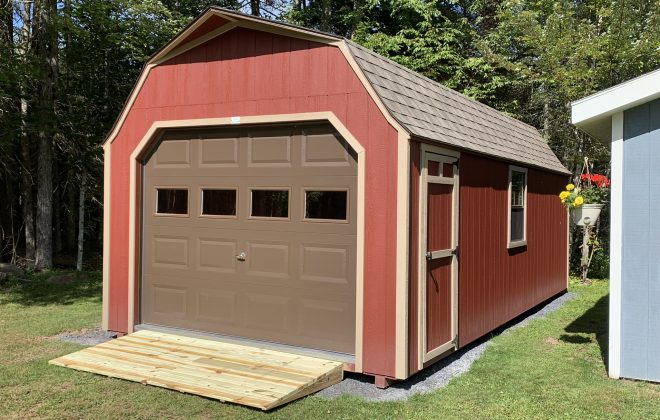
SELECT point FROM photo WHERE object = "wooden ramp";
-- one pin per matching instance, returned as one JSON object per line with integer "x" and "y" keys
{"x": 227, "y": 372}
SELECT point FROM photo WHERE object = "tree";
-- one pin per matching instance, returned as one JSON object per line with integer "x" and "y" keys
{"x": 45, "y": 50}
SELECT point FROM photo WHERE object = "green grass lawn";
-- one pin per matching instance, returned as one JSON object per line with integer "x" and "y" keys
{"x": 550, "y": 368}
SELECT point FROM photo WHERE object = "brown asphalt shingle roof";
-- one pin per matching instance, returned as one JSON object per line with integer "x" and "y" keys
{"x": 430, "y": 110}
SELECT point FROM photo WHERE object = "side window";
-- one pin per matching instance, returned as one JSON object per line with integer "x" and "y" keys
{"x": 218, "y": 202}
{"x": 517, "y": 206}
{"x": 172, "y": 201}
{"x": 269, "y": 203}
{"x": 326, "y": 205}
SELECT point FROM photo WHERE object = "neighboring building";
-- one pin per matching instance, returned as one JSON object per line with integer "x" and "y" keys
{"x": 628, "y": 116}
{"x": 280, "y": 185}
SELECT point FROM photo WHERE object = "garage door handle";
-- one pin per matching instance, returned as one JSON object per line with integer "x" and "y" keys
{"x": 241, "y": 256}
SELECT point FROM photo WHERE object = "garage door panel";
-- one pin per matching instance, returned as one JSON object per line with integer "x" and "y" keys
{"x": 218, "y": 152}
{"x": 217, "y": 255}
{"x": 324, "y": 263}
{"x": 173, "y": 154}
{"x": 169, "y": 301}
{"x": 170, "y": 252}
{"x": 217, "y": 306}
{"x": 268, "y": 259}
{"x": 269, "y": 151}
{"x": 296, "y": 284}
{"x": 326, "y": 320}
{"x": 266, "y": 312}
{"x": 325, "y": 150}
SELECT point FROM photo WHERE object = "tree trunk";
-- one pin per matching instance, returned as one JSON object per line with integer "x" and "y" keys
{"x": 57, "y": 214}
{"x": 70, "y": 204}
{"x": 27, "y": 197}
{"x": 81, "y": 220}
{"x": 44, "y": 254}
{"x": 6, "y": 26}
{"x": 255, "y": 7}
{"x": 45, "y": 43}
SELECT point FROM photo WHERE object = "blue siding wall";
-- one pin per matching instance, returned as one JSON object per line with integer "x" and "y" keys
{"x": 640, "y": 294}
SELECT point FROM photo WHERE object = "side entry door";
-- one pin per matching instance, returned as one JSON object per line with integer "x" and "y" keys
{"x": 438, "y": 277}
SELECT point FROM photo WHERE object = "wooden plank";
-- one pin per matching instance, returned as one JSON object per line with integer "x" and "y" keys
{"x": 227, "y": 372}
{"x": 243, "y": 353}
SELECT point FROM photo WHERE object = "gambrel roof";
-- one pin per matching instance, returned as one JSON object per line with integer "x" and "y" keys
{"x": 422, "y": 107}
{"x": 430, "y": 110}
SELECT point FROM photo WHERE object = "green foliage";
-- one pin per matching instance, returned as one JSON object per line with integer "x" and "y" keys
{"x": 600, "y": 264}
{"x": 527, "y": 58}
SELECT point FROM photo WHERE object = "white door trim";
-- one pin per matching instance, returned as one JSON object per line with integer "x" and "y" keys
{"x": 146, "y": 141}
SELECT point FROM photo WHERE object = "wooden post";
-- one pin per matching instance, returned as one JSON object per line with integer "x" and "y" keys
{"x": 584, "y": 261}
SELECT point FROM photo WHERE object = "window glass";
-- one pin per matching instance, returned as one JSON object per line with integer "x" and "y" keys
{"x": 325, "y": 205}
{"x": 171, "y": 201}
{"x": 270, "y": 203}
{"x": 433, "y": 168}
{"x": 447, "y": 170}
{"x": 219, "y": 202}
{"x": 518, "y": 181}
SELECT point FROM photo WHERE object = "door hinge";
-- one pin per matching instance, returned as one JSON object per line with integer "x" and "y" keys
{"x": 454, "y": 341}
{"x": 455, "y": 252}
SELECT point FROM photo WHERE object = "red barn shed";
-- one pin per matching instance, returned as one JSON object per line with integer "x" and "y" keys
{"x": 288, "y": 187}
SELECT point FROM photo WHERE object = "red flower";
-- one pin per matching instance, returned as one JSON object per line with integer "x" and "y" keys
{"x": 599, "y": 180}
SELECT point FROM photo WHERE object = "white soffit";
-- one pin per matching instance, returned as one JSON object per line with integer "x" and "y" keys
{"x": 593, "y": 113}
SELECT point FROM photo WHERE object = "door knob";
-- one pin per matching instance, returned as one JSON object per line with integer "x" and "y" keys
{"x": 241, "y": 256}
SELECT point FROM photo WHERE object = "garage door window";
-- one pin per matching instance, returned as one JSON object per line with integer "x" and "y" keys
{"x": 326, "y": 205}
{"x": 172, "y": 201}
{"x": 218, "y": 202}
{"x": 270, "y": 203}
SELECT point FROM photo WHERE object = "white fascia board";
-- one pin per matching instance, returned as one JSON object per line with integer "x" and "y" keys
{"x": 607, "y": 102}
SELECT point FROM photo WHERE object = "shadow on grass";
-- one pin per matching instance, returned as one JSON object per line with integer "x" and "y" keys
{"x": 58, "y": 287}
{"x": 593, "y": 321}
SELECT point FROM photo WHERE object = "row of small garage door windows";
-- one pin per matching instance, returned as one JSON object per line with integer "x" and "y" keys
{"x": 319, "y": 204}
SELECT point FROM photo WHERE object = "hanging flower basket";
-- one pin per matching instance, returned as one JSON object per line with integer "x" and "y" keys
{"x": 587, "y": 199}
{"x": 587, "y": 214}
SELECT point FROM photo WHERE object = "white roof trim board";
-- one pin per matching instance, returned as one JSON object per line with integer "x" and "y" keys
{"x": 592, "y": 114}
{"x": 432, "y": 111}
{"x": 423, "y": 107}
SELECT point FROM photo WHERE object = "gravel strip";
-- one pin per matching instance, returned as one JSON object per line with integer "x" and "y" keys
{"x": 437, "y": 375}
{"x": 87, "y": 337}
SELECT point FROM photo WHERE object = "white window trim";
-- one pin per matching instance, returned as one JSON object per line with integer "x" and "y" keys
{"x": 515, "y": 244}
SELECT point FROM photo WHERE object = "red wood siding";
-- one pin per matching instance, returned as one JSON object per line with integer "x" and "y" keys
{"x": 497, "y": 284}
{"x": 439, "y": 220}
{"x": 438, "y": 302}
{"x": 246, "y": 72}
{"x": 439, "y": 271}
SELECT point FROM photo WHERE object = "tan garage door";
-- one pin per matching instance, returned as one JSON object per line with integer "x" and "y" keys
{"x": 251, "y": 232}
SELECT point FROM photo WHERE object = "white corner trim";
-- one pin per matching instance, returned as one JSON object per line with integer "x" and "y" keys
{"x": 616, "y": 245}
{"x": 105, "y": 303}
{"x": 402, "y": 255}
{"x": 617, "y": 98}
